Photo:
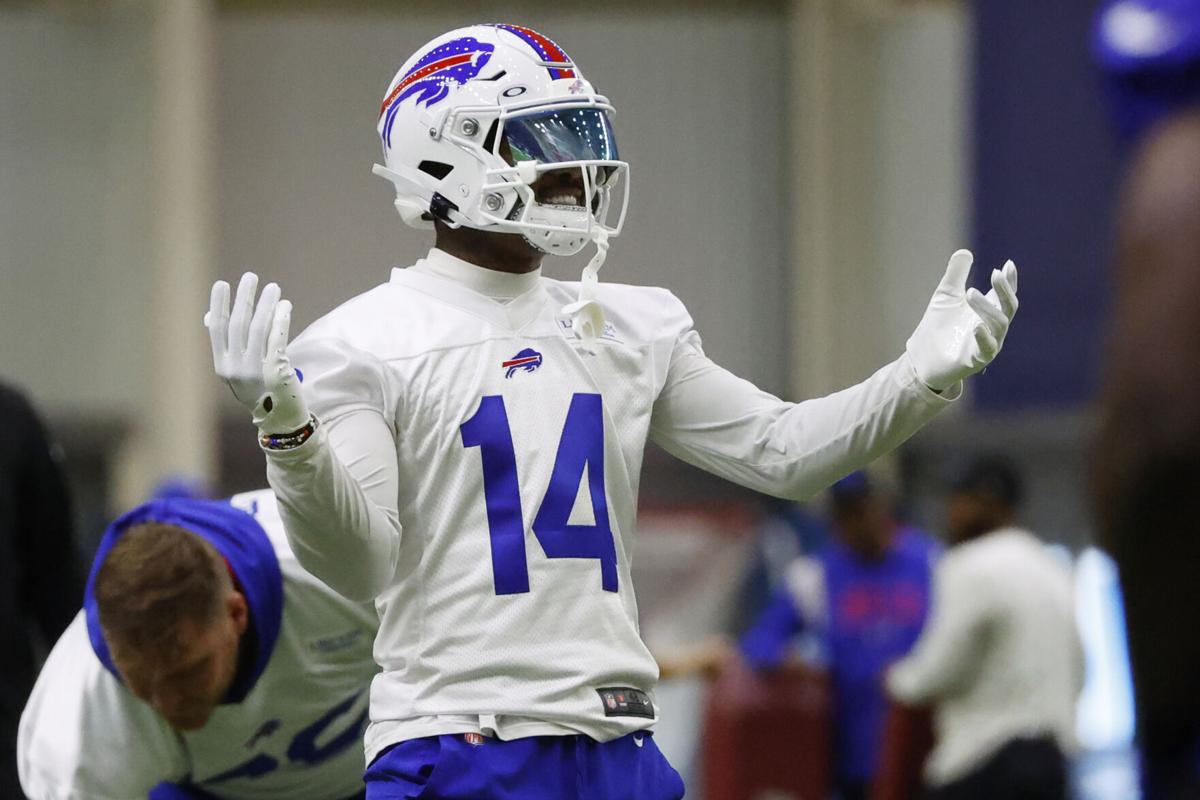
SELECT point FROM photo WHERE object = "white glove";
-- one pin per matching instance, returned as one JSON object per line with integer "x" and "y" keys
{"x": 250, "y": 353}
{"x": 962, "y": 330}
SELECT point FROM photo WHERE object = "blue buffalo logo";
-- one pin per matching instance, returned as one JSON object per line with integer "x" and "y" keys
{"x": 527, "y": 360}
{"x": 430, "y": 79}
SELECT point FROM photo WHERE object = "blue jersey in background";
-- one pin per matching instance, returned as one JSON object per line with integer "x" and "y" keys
{"x": 863, "y": 614}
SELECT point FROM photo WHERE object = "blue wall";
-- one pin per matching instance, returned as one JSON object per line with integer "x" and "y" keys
{"x": 1045, "y": 169}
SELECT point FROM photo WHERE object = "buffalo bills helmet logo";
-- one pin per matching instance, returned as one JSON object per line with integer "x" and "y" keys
{"x": 528, "y": 360}
{"x": 430, "y": 79}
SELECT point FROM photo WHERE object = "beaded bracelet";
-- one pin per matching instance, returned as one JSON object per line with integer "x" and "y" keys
{"x": 288, "y": 441}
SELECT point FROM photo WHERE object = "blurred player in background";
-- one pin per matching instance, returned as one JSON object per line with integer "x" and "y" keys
{"x": 472, "y": 457}
{"x": 1147, "y": 453}
{"x": 205, "y": 664}
{"x": 1000, "y": 660}
{"x": 41, "y": 579}
{"x": 863, "y": 600}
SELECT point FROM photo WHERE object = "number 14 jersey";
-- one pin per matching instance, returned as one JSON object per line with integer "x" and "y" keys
{"x": 477, "y": 472}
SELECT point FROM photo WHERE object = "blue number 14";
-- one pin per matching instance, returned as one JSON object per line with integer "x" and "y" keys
{"x": 580, "y": 449}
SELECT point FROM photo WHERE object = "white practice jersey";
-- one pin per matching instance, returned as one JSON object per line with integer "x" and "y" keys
{"x": 477, "y": 473}
{"x": 297, "y": 734}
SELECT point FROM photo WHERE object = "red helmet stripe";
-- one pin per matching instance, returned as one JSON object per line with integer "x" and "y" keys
{"x": 553, "y": 51}
{"x": 548, "y": 51}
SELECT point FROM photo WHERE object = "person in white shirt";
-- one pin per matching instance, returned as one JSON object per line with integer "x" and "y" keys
{"x": 1000, "y": 660}
{"x": 206, "y": 663}
{"x": 472, "y": 454}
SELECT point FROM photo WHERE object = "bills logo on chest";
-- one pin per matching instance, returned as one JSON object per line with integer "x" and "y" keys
{"x": 528, "y": 360}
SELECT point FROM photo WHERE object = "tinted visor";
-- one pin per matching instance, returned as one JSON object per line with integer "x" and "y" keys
{"x": 549, "y": 137}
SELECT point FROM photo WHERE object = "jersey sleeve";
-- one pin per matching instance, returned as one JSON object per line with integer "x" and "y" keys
{"x": 709, "y": 417}
{"x": 83, "y": 735}
{"x": 797, "y": 605}
{"x": 765, "y": 644}
{"x": 339, "y": 378}
{"x": 338, "y": 491}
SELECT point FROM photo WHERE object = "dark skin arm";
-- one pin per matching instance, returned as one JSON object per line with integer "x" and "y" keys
{"x": 1146, "y": 458}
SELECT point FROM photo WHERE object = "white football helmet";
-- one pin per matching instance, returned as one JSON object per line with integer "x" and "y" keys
{"x": 478, "y": 115}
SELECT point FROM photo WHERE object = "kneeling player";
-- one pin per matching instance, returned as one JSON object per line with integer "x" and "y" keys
{"x": 205, "y": 663}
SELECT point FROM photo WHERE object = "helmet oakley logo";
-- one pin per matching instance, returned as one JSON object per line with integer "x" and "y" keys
{"x": 528, "y": 360}
{"x": 454, "y": 62}
{"x": 514, "y": 91}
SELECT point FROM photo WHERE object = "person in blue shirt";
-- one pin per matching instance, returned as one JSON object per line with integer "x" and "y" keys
{"x": 862, "y": 600}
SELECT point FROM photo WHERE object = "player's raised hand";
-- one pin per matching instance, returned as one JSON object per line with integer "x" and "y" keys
{"x": 962, "y": 330}
{"x": 250, "y": 352}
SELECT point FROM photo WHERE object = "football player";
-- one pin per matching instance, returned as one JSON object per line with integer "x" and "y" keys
{"x": 206, "y": 663}
{"x": 463, "y": 444}
{"x": 1147, "y": 452}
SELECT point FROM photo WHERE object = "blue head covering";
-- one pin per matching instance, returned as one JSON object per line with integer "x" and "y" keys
{"x": 1149, "y": 51}
{"x": 851, "y": 489}
{"x": 243, "y": 543}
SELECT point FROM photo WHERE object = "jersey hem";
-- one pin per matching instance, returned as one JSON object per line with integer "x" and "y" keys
{"x": 381, "y": 735}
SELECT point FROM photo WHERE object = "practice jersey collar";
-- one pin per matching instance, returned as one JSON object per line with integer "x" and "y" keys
{"x": 242, "y": 542}
{"x": 509, "y": 302}
{"x": 499, "y": 286}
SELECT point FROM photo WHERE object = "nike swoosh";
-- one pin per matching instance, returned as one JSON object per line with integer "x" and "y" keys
{"x": 638, "y": 742}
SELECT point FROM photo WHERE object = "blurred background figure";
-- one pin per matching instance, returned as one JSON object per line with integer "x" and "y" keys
{"x": 851, "y": 608}
{"x": 1147, "y": 452}
{"x": 1000, "y": 661}
{"x": 41, "y": 579}
{"x": 862, "y": 600}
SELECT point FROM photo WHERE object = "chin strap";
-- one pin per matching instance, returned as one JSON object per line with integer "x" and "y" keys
{"x": 587, "y": 317}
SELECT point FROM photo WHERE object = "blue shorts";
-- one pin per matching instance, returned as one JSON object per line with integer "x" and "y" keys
{"x": 537, "y": 768}
{"x": 181, "y": 791}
